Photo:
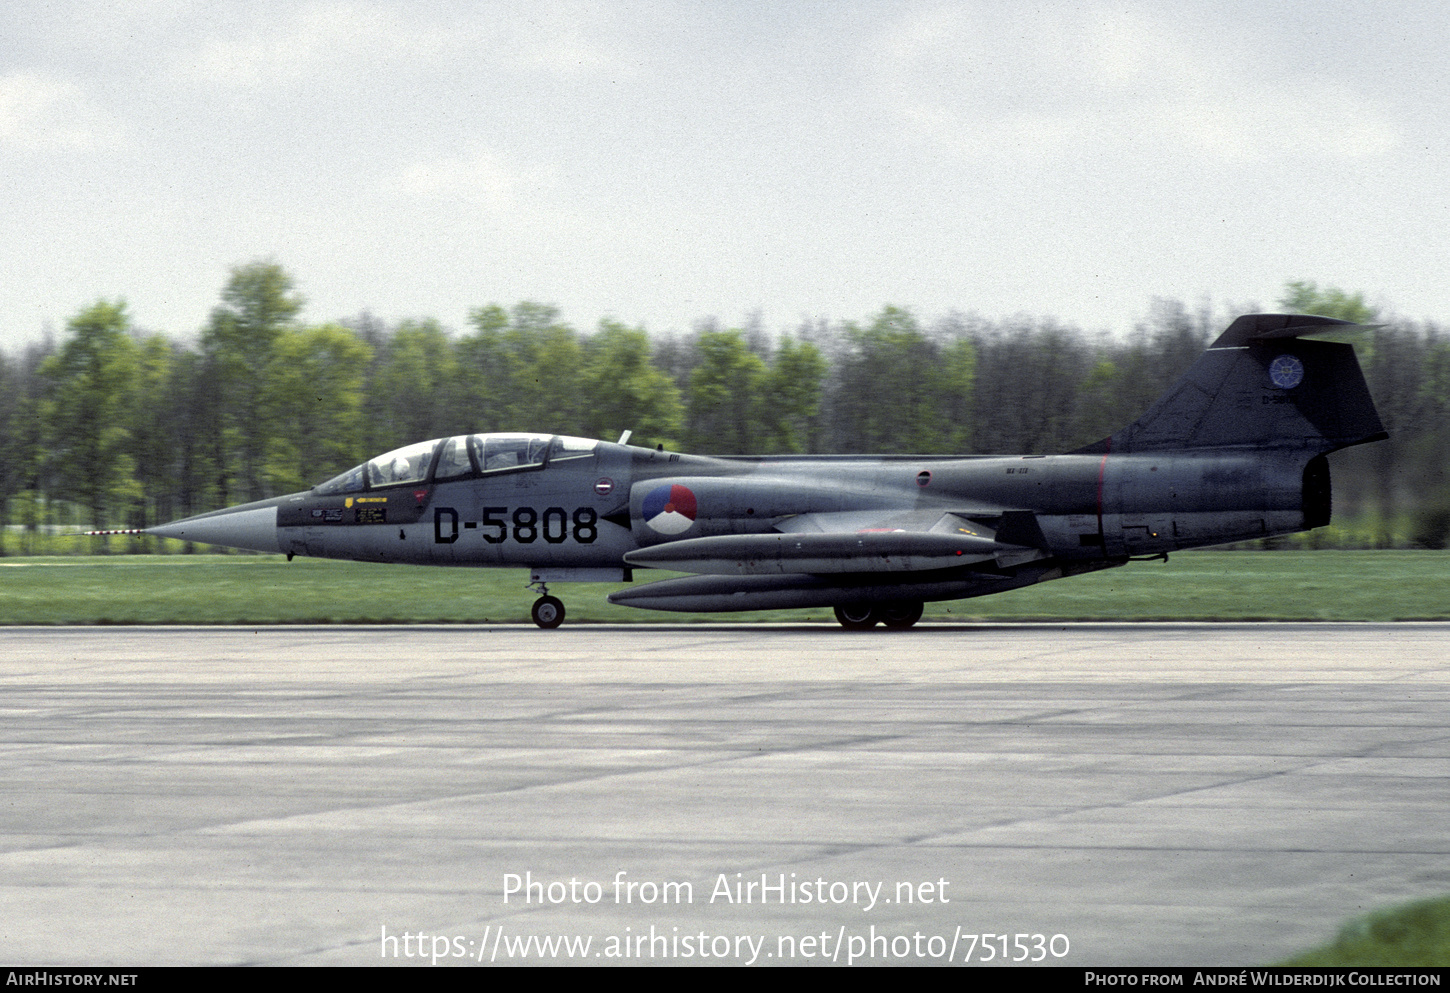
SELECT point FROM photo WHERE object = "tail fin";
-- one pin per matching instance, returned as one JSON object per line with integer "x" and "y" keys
{"x": 1260, "y": 386}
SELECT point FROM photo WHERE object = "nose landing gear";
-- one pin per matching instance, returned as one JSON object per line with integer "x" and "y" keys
{"x": 547, "y": 611}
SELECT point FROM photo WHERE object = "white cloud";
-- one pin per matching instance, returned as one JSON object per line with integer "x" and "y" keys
{"x": 565, "y": 38}
{"x": 482, "y": 178}
{"x": 317, "y": 39}
{"x": 322, "y": 39}
{"x": 38, "y": 112}
{"x": 1062, "y": 81}
{"x": 1288, "y": 121}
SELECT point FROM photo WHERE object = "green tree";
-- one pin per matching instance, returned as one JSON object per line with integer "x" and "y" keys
{"x": 1124, "y": 378}
{"x": 198, "y": 481}
{"x": 1432, "y": 524}
{"x": 258, "y": 305}
{"x": 155, "y": 424}
{"x": 1027, "y": 381}
{"x": 1397, "y": 365}
{"x": 89, "y": 409}
{"x": 791, "y": 408}
{"x": 900, "y": 391}
{"x": 1101, "y": 409}
{"x": 724, "y": 414}
{"x": 676, "y": 356}
{"x": 1305, "y": 297}
{"x": 483, "y": 370}
{"x": 520, "y": 370}
{"x": 20, "y": 431}
{"x": 413, "y": 391}
{"x": 957, "y": 386}
{"x": 315, "y": 388}
{"x": 624, "y": 391}
{"x": 549, "y": 360}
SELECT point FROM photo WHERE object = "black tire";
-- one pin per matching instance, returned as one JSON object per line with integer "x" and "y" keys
{"x": 548, "y": 612}
{"x": 857, "y": 616}
{"x": 901, "y": 614}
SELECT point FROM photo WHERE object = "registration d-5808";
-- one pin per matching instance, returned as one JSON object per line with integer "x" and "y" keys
{"x": 525, "y": 525}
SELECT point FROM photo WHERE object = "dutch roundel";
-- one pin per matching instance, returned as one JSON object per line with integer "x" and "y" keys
{"x": 1286, "y": 371}
{"x": 669, "y": 509}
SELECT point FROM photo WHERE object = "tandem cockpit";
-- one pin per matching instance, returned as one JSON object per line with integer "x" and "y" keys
{"x": 464, "y": 456}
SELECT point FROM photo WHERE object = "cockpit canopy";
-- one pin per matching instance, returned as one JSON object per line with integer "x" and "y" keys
{"x": 460, "y": 457}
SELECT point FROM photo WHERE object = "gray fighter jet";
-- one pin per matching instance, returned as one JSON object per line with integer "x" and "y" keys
{"x": 1235, "y": 450}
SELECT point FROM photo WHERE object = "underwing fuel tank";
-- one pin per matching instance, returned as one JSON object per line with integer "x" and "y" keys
{"x": 783, "y": 554}
{"x": 711, "y": 594}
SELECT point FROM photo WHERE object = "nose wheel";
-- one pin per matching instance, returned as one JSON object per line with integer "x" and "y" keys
{"x": 548, "y": 612}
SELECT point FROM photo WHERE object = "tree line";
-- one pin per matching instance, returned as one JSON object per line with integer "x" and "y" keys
{"x": 113, "y": 427}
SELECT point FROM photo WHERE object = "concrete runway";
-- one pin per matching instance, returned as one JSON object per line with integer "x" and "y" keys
{"x": 1134, "y": 794}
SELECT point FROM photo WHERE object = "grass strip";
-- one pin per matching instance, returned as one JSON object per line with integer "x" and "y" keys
{"x": 259, "y": 589}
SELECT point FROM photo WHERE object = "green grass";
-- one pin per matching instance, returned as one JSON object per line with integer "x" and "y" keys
{"x": 1410, "y": 935}
{"x": 258, "y": 589}
{"x": 1280, "y": 585}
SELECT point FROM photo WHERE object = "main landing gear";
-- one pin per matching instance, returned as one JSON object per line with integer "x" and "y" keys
{"x": 897, "y": 615}
{"x": 547, "y": 611}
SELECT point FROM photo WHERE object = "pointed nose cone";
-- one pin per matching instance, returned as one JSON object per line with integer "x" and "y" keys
{"x": 250, "y": 526}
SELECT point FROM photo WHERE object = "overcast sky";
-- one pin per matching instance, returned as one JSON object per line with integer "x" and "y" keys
{"x": 660, "y": 162}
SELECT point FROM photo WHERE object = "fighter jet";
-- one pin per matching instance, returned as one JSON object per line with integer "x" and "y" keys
{"x": 1235, "y": 450}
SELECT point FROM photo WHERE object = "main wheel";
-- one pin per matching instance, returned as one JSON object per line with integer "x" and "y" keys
{"x": 548, "y": 612}
{"x": 857, "y": 616}
{"x": 901, "y": 614}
